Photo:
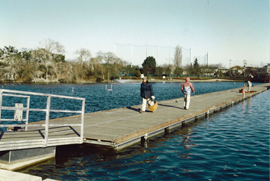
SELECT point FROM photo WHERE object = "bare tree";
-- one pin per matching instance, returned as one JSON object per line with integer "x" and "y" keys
{"x": 53, "y": 46}
{"x": 84, "y": 55}
{"x": 111, "y": 63}
{"x": 83, "y": 63}
{"x": 178, "y": 56}
{"x": 45, "y": 60}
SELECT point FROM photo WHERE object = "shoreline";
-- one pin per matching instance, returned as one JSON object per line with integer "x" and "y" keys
{"x": 123, "y": 81}
{"x": 176, "y": 80}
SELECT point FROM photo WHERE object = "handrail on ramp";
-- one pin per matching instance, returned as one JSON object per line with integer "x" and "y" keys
{"x": 18, "y": 110}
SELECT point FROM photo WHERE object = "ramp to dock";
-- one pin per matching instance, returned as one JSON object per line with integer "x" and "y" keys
{"x": 34, "y": 138}
{"x": 37, "y": 134}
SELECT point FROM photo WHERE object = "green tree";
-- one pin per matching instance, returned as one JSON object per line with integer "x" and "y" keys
{"x": 11, "y": 50}
{"x": 2, "y": 53}
{"x": 137, "y": 73}
{"x": 159, "y": 71}
{"x": 178, "y": 71}
{"x": 196, "y": 68}
{"x": 149, "y": 65}
{"x": 26, "y": 55}
{"x": 168, "y": 70}
{"x": 129, "y": 69}
{"x": 59, "y": 58}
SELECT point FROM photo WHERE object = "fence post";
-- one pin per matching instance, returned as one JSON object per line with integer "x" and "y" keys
{"x": 82, "y": 119}
{"x": 47, "y": 120}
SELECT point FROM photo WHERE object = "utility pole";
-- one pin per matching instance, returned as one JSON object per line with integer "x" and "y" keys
{"x": 170, "y": 53}
{"x": 245, "y": 63}
{"x": 157, "y": 54}
{"x": 115, "y": 49}
{"x": 207, "y": 59}
{"x": 190, "y": 56}
{"x": 146, "y": 50}
{"x": 230, "y": 68}
{"x": 131, "y": 53}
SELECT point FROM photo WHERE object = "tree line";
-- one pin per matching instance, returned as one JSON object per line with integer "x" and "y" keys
{"x": 48, "y": 64}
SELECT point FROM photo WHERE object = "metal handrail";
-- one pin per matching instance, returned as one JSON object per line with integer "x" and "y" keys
{"x": 47, "y": 110}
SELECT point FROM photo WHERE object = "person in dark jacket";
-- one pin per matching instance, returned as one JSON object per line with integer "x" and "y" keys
{"x": 146, "y": 93}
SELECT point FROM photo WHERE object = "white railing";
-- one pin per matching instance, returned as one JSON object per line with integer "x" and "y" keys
{"x": 24, "y": 94}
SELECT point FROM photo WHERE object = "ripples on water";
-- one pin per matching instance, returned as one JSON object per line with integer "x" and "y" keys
{"x": 229, "y": 145}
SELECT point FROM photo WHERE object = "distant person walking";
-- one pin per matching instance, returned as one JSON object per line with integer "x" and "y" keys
{"x": 146, "y": 93}
{"x": 249, "y": 85}
{"x": 186, "y": 88}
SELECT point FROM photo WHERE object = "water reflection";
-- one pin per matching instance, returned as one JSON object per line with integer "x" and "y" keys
{"x": 90, "y": 158}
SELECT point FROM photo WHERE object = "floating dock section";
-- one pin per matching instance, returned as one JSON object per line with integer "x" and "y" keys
{"x": 120, "y": 128}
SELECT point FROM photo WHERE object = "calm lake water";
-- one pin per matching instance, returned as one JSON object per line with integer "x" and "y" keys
{"x": 229, "y": 145}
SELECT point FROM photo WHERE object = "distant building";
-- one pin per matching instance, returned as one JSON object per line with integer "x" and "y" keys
{"x": 264, "y": 71}
{"x": 237, "y": 70}
{"x": 209, "y": 71}
{"x": 258, "y": 73}
{"x": 222, "y": 72}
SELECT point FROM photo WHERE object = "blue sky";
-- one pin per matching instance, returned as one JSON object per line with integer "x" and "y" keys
{"x": 226, "y": 29}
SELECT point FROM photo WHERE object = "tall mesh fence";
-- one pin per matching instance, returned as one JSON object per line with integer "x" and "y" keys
{"x": 136, "y": 54}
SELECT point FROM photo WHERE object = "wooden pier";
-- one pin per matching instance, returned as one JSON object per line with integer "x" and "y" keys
{"x": 119, "y": 128}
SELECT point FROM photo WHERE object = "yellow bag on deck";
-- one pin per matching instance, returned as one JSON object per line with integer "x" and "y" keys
{"x": 154, "y": 107}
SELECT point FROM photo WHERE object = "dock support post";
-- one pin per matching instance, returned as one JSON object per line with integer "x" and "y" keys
{"x": 183, "y": 124}
{"x": 144, "y": 140}
{"x": 207, "y": 114}
{"x": 167, "y": 130}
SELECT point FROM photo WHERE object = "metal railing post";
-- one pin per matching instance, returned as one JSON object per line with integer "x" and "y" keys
{"x": 47, "y": 120}
{"x": 27, "y": 113}
{"x": 82, "y": 120}
{"x": 0, "y": 103}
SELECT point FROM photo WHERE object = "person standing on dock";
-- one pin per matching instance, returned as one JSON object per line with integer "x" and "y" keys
{"x": 186, "y": 89}
{"x": 146, "y": 93}
{"x": 249, "y": 85}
